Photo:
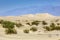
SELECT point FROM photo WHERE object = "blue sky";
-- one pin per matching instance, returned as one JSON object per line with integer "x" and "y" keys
{"x": 21, "y": 7}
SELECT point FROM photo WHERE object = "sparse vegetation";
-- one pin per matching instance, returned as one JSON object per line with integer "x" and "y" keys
{"x": 8, "y": 24}
{"x": 1, "y": 21}
{"x": 52, "y": 27}
{"x": 57, "y": 28}
{"x": 33, "y": 29}
{"x": 19, "y": 25}
{"x": 47, "y": 28}
{"x": 9, "y": 27}
{"x": 28, "y": 23}
{"x": 44, "y": 23}
{"x": 26, "y": 31}
{"x": 11, "y": 31}
{"x": 35, "y": 22}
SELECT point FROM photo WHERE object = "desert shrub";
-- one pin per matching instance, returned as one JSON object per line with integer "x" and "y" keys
{"x": 47, "y": 28}
{"x": 1, "y": 21}
{"x": 19, "y": 25}
{"x": 26, "y": 31}
{"x": 52, "y": 25}
{"x": 11, "y": 31}
{"x": 58, "y": 23}
{"x": 28, "y": 23}
{"x": 9, "y": 27}
{"x": 57, "y": 28}
{"x": 8, "y": 24}
{"x": 44, "y": 23}
{"x": 35, "y": 22}
{"x": 33, "y": 29}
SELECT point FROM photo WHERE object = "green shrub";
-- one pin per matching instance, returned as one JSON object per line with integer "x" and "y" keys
{"x": 33, "y": 29}
{"x": 26, "y": 31}
{"x": 19, "y": 25}
{"x": 44, "y": 23}
{"x": 8, "y": 24}
{"x": 11, "y": 31}
{"x": 35, "y": 22}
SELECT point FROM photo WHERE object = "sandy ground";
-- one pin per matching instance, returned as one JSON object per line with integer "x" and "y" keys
{"x": 54, "y": 35}
{"x": 29, "y": 37}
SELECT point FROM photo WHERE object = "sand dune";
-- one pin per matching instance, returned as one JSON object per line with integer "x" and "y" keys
{"x": 40, "y": 34}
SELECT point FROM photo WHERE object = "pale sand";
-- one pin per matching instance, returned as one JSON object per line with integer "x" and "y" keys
{"x": 32, "y": 35}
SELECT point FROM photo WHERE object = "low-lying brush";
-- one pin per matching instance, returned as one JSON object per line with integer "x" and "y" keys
{"x": 9, "y": 27}
{"x": 57, "y": 28}
{"x": 11, "y": 31}
{"x": 33, "y": 29}
{"x": 1, "y": 21}
{"x": 44, "y": 23}
{"x": 47, "y": 28}
{"x": 28, "y": 23}
{"x": 26, "y": 31}
{"x": 52, "y": 27}
{"x": 19, "y": 25}
{"x": 35, "y": 22}
{"x": 8, "y": 24}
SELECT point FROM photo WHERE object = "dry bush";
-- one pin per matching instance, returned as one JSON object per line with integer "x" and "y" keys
{"x": 44, "y": 23}
{"x": 58, "y": 23}
{"x": 57, "y": 28}
{"x": 28, "y": 23}
{"x": 18, "y": 25}
{"x": 11, "y": 31}
{"x": 52, "y": 27}
{"x": 33, "y": 29}
{"x": 47, "y": 28}
{"x": 26, "y": 31}
{"x": 35, "y": 22}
